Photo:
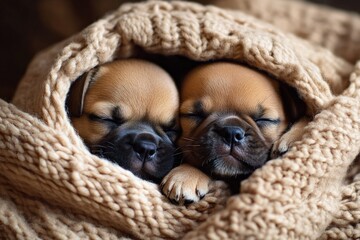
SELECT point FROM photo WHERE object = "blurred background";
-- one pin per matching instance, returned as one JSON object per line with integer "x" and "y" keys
{"x": 29, "y": 26}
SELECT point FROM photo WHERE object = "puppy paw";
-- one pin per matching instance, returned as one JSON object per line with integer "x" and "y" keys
{"x": 286, "y": 141}
{"x": 185, "y": 184}
{"x": 281, "y": 146}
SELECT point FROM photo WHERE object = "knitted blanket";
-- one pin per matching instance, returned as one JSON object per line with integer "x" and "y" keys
{"x": 51, "y": 187}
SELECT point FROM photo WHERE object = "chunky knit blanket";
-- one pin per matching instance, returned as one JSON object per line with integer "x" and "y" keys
{"x": 51, "y": 187}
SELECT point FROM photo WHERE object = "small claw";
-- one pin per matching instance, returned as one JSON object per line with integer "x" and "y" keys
{"x": 168, "y": 193}
{"x": 281, "y": 151}
{"x": 199, "y": 194}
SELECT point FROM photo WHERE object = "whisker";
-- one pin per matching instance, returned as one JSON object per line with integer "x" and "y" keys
{"x": 193, "y": 145}
{"x": 177, "y": 154}
{"x": 177, "y": 149}
{"x": 185, "y": 151}
{"x": 188, "y": 139}
{"x": 111, "y": 146}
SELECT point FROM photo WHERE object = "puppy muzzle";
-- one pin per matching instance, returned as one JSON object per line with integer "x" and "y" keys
{"x": 138, "y": 148}
{"x": 231, "y": 145}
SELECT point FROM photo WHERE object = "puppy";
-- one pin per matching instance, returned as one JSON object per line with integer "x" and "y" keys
{"x": 126, "y": 111}
{"x": 230, "y": 116}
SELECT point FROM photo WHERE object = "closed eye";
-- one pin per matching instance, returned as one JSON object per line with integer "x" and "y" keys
{"x": 194, "y": 116}
{"x": 262, "y": 122}
{"x": 195, "y": 111}
{"x": 104, "y": 119}
{"x": 191, "y": 115}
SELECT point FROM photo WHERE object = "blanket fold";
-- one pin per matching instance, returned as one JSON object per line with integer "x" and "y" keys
{"x": 52, "y": 187}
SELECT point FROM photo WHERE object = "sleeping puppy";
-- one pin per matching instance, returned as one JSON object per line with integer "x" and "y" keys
{"x": 126, "y": 111}
{"x": 230, "y": 116}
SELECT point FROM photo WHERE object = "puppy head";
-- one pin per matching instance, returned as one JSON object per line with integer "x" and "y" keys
{"x": 230, "y": 116}
{"x": 126, "y": 111}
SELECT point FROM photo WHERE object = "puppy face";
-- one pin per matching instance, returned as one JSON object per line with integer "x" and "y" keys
{"x": 128, "y": 115}
{"x": 230, "y": 116}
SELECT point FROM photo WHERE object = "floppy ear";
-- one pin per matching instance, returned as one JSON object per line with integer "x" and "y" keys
{"x": 77, "y": 92}
{"x": 295, "y": 108}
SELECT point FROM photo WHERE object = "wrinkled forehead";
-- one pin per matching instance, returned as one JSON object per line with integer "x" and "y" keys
{"x": 223, "y": 88}
{"x": 137, "y": 92}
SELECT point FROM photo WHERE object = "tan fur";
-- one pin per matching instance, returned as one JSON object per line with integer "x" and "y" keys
{"x": 246, "y": 89}
{"x": 244, "y": 92}
{"x": 295, "y": 133}
{"x": 141, "y": 89}
{"x": 199, "y": 183}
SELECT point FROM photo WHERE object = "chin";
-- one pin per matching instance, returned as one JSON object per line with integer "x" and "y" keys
{"x": 152, "y": 171}
{"x": 227, "y": 167}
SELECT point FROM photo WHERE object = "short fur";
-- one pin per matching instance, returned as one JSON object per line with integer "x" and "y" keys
{"x": 230, "y": 117}
{"x": 128, "y": 114}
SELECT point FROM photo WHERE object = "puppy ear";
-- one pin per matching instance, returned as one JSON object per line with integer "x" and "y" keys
{"x": 295, "y": 108}
{"x": 77, "y": 92}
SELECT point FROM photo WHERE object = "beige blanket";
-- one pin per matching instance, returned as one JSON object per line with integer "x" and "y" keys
{"x": 51, "y": 187}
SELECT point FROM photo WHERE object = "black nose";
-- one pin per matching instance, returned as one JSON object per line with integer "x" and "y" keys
{"x": 145, "y": 149}
{"x": 231, "y": 134}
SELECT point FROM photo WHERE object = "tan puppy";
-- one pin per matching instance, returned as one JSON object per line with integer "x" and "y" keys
{"x": 126, "y": 111}
{"x": 230, "y": 117}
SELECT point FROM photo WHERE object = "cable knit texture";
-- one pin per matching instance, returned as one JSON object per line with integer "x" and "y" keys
{"x": 53, "y": 188}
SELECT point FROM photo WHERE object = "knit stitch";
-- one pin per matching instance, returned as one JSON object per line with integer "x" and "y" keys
{"x": 53, "y": 188}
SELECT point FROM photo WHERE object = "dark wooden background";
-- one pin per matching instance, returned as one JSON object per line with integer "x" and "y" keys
{"x": 27, "y": 26}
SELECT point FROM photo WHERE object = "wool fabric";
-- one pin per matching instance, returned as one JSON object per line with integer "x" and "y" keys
{"x": 52, "y": 187}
